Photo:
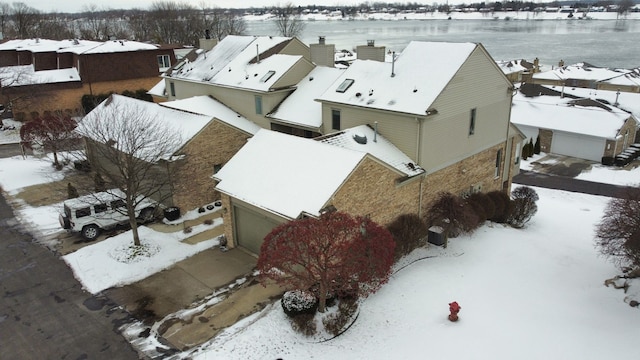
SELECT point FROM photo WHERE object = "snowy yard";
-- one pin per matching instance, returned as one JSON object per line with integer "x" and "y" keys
{"x": 535, "y": 293}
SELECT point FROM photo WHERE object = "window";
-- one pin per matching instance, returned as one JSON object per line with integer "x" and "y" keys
{"x": 472, "y": 122}
{"x": 100, "y": 208}
{"x": 267, "y": 76}
{"x": 83, "y": 212}
{"x": 172, "y": 86}
{"x": 344, "y": 85}
{"x": 258, "y": 99}
{"x": 335, "y": 119}
{"x": 164, "y": 62}
{"x": 498, "y": 161}
{"x": 518, "y": 153}
{"x": 117, "y": 204}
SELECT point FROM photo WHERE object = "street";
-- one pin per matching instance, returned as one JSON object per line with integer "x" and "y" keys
{"x": 45, "y": 313}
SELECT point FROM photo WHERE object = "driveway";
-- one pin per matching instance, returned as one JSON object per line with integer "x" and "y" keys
{"x": 44, "y": 312}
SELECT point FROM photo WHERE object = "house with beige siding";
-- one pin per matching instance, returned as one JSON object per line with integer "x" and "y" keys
{"x": 444, "y": 107}
{"x": 251, "y": 74}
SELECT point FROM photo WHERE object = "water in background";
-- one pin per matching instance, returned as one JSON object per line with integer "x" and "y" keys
{"x": 607, "y": 43}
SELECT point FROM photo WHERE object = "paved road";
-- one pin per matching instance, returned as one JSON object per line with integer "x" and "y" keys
{"x": 44, "y": 313}
{"x": 9, "y": 150}
{"x": 531, "y": 178}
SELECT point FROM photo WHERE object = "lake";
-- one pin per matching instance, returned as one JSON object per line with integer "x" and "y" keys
{"x": 607, "y": 43}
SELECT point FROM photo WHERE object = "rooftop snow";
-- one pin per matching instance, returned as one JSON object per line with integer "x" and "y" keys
{"x": 24, "y": 75}
{"x": 627, "y": 101}
{"x": 550, "y": 112}
{"x": 205, "y": 105}
{"x": 380, "y": 148}
{"x": 232, "y": 63}
{"x": 114, "y": 46}
{"x": 159, "y": 89}
{"x": 579, "y": 71}
{"x": 292, "y": 174}
{"x": 421, "y": 72}
{"x": 185, "y": 123}
{"x": 300, "y": 108}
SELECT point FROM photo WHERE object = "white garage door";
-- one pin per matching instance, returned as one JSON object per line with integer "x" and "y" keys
{"x": 583, "y": 147}
{"x": 251, "y": 228}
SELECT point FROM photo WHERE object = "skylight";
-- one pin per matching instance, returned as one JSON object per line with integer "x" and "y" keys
{"x": 345, "y": 85}
{"x": 267, "y": 76}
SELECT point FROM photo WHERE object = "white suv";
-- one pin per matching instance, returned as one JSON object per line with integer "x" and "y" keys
{"x": 93, "y": 213}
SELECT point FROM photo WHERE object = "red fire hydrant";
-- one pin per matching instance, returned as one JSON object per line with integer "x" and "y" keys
{"x": 454, "y": 308}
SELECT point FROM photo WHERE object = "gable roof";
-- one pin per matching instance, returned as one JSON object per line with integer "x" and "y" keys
{"x": 420, "y": 74}
{"x": 550, "y": 112}
{"x": 186, "y": 123}
{"x": 303, "y": 174}
{"x": 300, "y": 108}
{"x": 363, "y": 138}
{"x": 632, "y": 78}
{"x": 206, "y": 105}
{"x": 233, "y": 62}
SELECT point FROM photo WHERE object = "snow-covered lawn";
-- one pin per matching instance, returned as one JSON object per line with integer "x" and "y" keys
{"x": 535, "y": 293}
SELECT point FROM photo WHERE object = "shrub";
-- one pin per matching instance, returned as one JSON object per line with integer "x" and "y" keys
{"x": 296, "y": 302}
{"x": 452, "y": 214}
{"x": 304, "y": 324}
{"x": 523, "y": 206}
{"x": 100, "y": 184}
{"x": 536, "y": 146}
{"x": 483, "y": 201}
{"x": 72, "y": 192}
{"x": 188, "y": 230}
{"x": 208, "y": 221}
{"x": 335, "y": 323}
{"x": 408, "y": 231}
{"x": 172, "y": 213}
{"x": 201, "y": 210}
{"x": 502, "y": 206}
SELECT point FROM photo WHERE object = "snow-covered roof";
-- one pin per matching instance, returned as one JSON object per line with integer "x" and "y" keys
{"x": 632, "y": 78}
{"x": 627, "y": 101}
{"x": 159, "y": 89}
{"x": 288, "y": 182}
{"x": 420, "y": 74}
{"x": 114, "y": 46}
{"x": 579, "y": 71}
{"x": 551, "y": 112}
{"x": 235, "y": 62}
{"x": 25, "y": 75}
{"x": 205, "y": 105}
{"x": 363, "y": 138}
{"x": 300, "y": 108}
{"x": 514, "y": 66}
{"x": 187, "y": 124}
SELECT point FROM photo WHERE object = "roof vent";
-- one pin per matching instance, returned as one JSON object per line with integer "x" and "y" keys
{"x": 371, "y": 42}
{"x": 360, "y": 139}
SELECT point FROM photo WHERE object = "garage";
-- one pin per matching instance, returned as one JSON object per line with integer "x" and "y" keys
{"x": 579, "y": 146}
{"x": 251, "y": 227}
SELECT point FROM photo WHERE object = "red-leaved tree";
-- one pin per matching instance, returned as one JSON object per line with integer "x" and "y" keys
{"x": 49, "y": 132}
{"x": 334, "y": 254}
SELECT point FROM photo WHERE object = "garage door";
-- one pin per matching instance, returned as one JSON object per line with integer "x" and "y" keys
{"x": 251, "y": 228}
{"x": 583, "y": 147}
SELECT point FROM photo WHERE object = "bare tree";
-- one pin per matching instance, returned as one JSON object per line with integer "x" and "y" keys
{"x": 138, "y": 22}
{"x": 618, "y": 233}
{"x": 5, "y": 13}
{"x": 95, "y": 26}
{"x": 131, "y": 148}
{"x": 25, "y": 20}
{"x": 55, "y": 27}
{"x": 288, "y": 21}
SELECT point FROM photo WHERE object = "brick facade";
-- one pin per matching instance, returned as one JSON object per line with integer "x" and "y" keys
{"x": 214, "y": 145}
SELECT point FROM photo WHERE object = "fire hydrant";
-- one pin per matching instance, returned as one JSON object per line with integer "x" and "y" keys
{"x": 454, "y": 308}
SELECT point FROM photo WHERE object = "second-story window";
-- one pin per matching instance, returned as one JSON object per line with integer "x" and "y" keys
{"x": 335, "y": 119}
{"x": 258, "y": 99}
{"x": 164, "y": 62}
{"x": 472, "y": 122}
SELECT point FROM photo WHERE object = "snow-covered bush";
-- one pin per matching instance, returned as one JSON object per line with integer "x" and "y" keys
{"x": 297, "y": 302}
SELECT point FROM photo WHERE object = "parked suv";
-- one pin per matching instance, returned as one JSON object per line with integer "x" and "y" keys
{"x": 94, "y": 213}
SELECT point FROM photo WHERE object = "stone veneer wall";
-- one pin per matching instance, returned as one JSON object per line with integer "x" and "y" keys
{"x": 215, "y": 144}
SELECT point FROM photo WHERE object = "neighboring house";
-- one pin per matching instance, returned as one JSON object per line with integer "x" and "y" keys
{"x": 56, "y": 74}
{"x": 210, "y": 132}
{"x": 582, "y": 128}
{"x": 445, "y": 107}
{"x": 250, "y": 74}
{"x": 519, "y": 70}
{"x": 579, "y": 75}
{"x": 629, "y": 82}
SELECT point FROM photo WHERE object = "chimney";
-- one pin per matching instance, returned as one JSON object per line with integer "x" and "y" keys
{"x": 375, "y": 131}
{"x": 207, "y": 34}
{"x": 257, "y": 54}
{"x": 321, "y": 40}
{"x": 323, "y": 54}
{"x": 370, "y": 52}
{"x": 371, "y": 43}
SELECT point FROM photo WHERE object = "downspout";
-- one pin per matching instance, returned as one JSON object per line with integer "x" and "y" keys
{"x": 424, "y": 175}
{"x": 506, "y": 143}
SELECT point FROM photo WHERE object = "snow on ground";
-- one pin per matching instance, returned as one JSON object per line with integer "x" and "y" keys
{"x": 9, "y": 131}
{"x": 535, "y": 293}
{"x": 101, "y": 266}
{"x": 18, "y": 172}
{"x": 598, "y": 172}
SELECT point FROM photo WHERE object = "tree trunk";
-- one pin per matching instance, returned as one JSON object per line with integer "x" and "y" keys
{"x": 322, "y": 298}
{"x": 134, "y": 227}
